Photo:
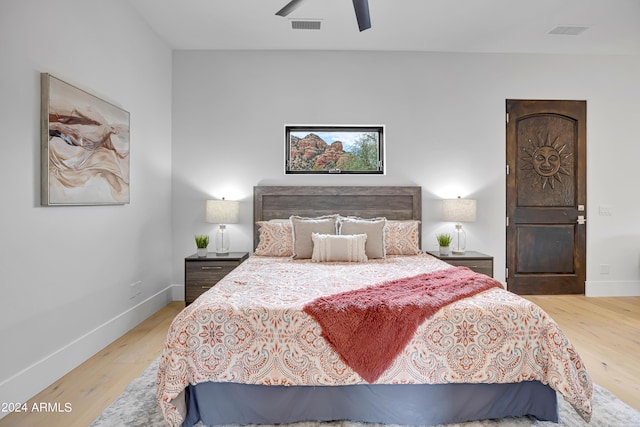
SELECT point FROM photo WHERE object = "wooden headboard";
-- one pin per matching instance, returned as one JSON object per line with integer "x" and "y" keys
{"x": 399, "y": 203}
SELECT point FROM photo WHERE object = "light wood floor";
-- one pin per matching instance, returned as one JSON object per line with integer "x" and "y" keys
{"x": 606, "y": 334}
{"x": 96, "y": 383}
{"x": 605, "y": 331}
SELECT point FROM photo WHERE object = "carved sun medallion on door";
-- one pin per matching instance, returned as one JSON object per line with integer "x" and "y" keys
{"x": 548, "y": 160}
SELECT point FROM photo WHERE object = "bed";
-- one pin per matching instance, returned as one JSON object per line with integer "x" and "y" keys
{"x": 250, "y": 351}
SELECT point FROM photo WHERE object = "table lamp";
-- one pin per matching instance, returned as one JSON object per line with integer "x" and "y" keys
{"x": 459, "y": 211}
{"x": 222, "y": 212}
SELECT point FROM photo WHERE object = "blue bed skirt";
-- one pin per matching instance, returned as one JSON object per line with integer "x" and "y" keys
{"x": 230, "y": 403}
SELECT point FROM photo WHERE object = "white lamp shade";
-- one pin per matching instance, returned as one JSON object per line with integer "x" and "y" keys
{"x": 223, "y": 211}
{"x": 459, "y": 210}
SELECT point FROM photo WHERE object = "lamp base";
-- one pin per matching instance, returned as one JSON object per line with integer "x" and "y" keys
{"x": 459, "y": 240}
{"x": 222, "y": 240}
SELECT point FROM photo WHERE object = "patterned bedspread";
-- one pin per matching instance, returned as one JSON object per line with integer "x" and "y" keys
{"x": 250, "y": 328}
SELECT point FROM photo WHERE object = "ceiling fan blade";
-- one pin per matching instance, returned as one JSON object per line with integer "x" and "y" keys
{"x": 362, "y": 14}
{"x": 289, "y": 7}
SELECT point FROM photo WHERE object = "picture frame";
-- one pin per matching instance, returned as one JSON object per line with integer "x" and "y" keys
{"x": 85, "y": 147}
{"x": 334, "y": 149}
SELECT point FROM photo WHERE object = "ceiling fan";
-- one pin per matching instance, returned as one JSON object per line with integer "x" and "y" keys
{"x": 361, "y": 7}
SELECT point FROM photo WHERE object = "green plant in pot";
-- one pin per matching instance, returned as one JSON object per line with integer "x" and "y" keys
{"x": 444, "y": 241}
{"x": 202, "y": 242}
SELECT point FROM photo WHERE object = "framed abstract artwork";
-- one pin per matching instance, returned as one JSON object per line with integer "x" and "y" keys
{"x": 85, "y": 147}
{"x": 334, "y": 149}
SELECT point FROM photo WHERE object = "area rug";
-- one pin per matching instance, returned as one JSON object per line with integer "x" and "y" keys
{"x": 136, "y": 407}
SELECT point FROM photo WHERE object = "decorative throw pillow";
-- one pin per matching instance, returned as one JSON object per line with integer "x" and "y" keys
{"x": 346, "y": 248}
{"x": 276, "y": 238}
{"x": 402, "y": 237}
{"x": 302, "y": 229}
{"x": 373, "y": 228}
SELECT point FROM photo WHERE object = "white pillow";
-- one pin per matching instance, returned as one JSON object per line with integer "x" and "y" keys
{"x": 329, "y": 247}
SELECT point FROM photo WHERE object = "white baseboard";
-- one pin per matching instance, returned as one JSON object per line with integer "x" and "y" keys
{"x": 33, "y": 379}
{"x": 626, "y": 288}
{"x": 177, "y": 292}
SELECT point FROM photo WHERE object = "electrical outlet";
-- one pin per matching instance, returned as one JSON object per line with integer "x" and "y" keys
{"x": 604, "y": 210}
{"x": 135, "y": 289}
{"x": 604, "y": 268}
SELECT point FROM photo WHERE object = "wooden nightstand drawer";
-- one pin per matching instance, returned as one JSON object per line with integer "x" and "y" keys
{"x": 209, "y": 271}
{"x": 201, "y": 274}
{"x": 479, "y": 266}
{"x": 193, "y": 291}
{"x": 478, "y": 262}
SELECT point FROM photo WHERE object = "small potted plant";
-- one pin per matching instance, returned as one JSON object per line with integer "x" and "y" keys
{"x": 444, "y": 240}
{"x": 202, "y": 241}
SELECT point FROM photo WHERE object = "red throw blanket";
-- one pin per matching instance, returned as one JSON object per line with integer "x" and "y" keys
{"x": 369, "y": 327}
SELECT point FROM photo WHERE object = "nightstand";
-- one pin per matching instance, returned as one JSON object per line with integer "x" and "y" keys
{"x": 478, "y": 262}
{"x": 202, "y": 273}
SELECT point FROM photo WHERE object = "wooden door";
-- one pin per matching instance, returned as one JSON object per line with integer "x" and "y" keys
{"x": 546, "y": 196}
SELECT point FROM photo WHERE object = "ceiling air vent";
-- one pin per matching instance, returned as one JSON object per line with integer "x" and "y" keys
{"x": 568, "y": 30}
{"x": 307, "y": 24}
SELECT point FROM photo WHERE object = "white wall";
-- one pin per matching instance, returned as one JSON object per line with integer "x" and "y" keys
{"x": 65, "y": 271}
{"x": 444, "y": 117}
